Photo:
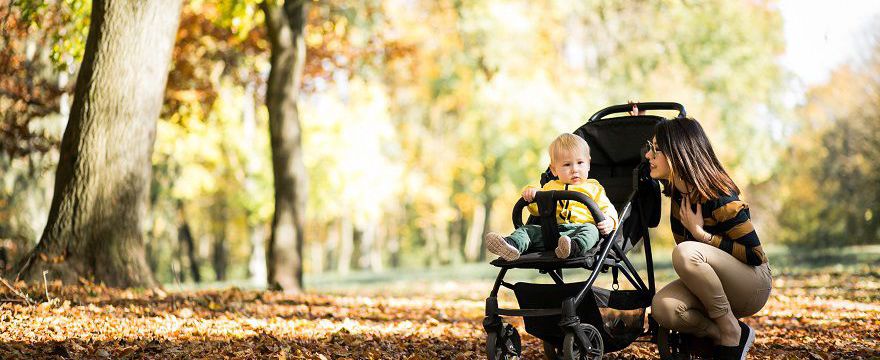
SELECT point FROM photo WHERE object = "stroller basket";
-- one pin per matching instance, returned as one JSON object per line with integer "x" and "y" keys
{"x": 621, "y": 312}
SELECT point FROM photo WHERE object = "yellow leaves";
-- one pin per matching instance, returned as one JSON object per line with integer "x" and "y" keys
{"x": 215, "y": 306}
{"x": 806, "y": 315}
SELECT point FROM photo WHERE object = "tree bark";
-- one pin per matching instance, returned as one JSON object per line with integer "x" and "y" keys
{"x": 185, "y": 240}
{"x": 219, "y": 251}
{"x": 331, "y": 251}
{"x": 487, "y": 219}
{"x": 346, "y": 245}
{"x": 94, "y": 228}
{"x": 474, "y": 239}
{"x": 286, "y": 25}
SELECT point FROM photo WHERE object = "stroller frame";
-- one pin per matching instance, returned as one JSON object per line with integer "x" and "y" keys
{"x": 581, "y": 340}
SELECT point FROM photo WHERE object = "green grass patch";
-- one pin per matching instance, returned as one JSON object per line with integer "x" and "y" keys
{"x": 856, "y": 260}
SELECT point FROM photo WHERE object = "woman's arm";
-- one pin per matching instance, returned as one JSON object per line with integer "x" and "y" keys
{"x": 735, "y": 234}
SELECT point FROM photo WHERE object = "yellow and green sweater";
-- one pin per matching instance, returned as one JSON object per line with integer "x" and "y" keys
{"x": 573, "y": 212}
{"x": 728, "y": 220}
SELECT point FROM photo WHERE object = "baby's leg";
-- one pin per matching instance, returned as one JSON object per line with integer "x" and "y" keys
{"x": 510, "y": 247}
{"x": 583, "y": 237}
{"x": 526, "y": 239}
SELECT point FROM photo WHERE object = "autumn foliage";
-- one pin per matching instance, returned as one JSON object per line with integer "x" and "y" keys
{"x": 809, "y": 316}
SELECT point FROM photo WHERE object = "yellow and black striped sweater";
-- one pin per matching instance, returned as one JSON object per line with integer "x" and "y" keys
{"x": 728, "y": 220}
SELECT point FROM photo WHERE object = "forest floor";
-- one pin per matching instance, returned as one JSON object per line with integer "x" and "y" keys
{"x": 827, "y": 307}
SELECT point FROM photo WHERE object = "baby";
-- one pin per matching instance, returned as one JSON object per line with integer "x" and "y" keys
{"x": 570, "y": 162}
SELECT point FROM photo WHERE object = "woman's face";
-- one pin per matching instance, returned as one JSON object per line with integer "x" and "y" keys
{"x": 659, "y": 164}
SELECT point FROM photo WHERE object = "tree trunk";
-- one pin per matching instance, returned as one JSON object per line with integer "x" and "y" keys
{"x": 257, "y": 263}
{"x": 437, "y": 244}
{"x": 317, "y": 253}
{"x": 457, "y": 235}
{"x": 487, "y": 222}
{"x": 346, "y": 245}
{"x": 220, "y": 256}
{"x": 95, "y": 220}
{"x": 474, "y": 240}
{"x": 286, "y": 25}
{"x": 331, "y": 251}
{"x": 378, "y": 247}
{"x": 185, "y": 239}
{"x": 392, "y": 231}
{"x": 219, "y": 252}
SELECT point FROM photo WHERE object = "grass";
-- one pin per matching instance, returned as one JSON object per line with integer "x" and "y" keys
{"x": 857, "y": 260}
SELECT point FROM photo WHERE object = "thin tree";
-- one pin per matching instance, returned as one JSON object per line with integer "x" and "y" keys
{"x": 286, "y": 27}
{"x": 94, "y": 230}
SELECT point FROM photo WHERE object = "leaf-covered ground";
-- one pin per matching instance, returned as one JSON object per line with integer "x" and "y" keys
{"x": 808, "y": 317}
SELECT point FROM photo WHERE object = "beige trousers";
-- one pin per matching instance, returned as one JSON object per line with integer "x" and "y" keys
{"x": 711, "y": 283}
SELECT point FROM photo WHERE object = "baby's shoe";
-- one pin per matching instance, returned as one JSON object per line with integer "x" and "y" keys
{"x": 563, "y": 248}
{"x": 496, "y": 244}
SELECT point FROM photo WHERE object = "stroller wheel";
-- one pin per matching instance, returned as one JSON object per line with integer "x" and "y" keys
{"x": 504, "y": 345}
{"x": 552, "y": 352}
{"x": 673, "y": 345}
{"x": 572, "y": 349}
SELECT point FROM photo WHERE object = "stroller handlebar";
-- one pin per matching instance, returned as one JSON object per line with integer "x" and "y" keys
{"x": 625, "y": 108}
{"x": 557, "y": 195}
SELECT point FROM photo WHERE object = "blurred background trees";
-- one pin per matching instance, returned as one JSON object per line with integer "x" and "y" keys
{"x": 831, "y": 182}
{"x": 422, "y": 120}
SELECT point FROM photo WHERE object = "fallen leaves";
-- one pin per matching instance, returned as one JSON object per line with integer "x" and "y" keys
{"x": 804, "y": 319}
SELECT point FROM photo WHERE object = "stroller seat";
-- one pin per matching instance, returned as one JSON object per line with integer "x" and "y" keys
{"x": 547, "y": 260}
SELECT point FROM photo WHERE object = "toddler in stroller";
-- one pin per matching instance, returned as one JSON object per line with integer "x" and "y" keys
{"x": 577, "y": 320}
{"x": 570, "y": 163}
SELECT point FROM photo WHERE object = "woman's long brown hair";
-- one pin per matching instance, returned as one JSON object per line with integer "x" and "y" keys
{"x": 692, "y": 159}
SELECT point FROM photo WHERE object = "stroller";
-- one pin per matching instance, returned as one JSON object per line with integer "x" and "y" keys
{"x": 578, "y": 321}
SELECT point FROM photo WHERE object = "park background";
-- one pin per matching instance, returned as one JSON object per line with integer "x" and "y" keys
{"x": 420, "y": 122}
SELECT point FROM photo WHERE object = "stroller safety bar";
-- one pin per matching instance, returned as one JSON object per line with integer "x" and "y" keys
{"x": 557, "y": 195}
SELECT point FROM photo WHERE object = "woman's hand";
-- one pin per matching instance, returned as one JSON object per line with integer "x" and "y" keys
{"x": 605, "y": 226}
{"x": 692, "y": 221}
{"x": 529, "y": 194}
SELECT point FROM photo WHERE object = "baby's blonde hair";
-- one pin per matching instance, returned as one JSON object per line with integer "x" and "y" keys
{"x": 568, "y": 142}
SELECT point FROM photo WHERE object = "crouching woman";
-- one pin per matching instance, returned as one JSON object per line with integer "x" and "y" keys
{"x": 723, "y": 272}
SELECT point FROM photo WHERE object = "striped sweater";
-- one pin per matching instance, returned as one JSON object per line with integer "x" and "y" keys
{"x": 727, "y": 219}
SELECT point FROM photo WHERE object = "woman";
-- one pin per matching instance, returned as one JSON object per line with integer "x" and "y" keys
{"x": 723, "y": 271}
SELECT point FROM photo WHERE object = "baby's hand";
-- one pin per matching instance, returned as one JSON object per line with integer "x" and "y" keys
{"x": 605, "y": 226}
{"x": 529, "y": 194}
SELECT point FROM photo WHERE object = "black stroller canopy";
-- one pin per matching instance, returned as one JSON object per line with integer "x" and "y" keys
{"x": 617, "y": 146}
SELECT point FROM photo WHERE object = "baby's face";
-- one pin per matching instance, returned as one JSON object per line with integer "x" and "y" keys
{"x": 571, "y": 167}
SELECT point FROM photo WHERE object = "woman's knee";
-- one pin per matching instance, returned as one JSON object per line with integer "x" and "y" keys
{"x": 687, "y": 254}
{"x": 667, "y": 311}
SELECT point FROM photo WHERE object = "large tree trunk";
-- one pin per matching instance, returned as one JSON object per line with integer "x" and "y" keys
{"x": 286, "y": 24}
{"x": 94, "y": 227}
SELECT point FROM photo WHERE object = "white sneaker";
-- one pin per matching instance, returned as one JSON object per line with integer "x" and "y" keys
{"x": 496, "y": 244}
{"x": 563, "y": 248}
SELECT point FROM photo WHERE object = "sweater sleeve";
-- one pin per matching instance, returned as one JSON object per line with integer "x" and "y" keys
{"x": 735, "y": 234}
{"x": 533, "y": 207}
{"x": 605, "y": 205}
